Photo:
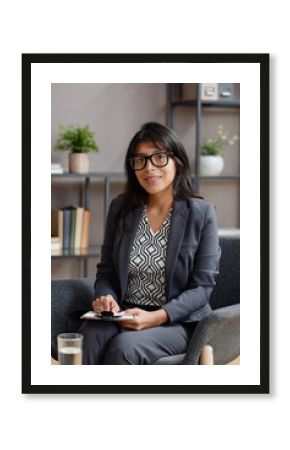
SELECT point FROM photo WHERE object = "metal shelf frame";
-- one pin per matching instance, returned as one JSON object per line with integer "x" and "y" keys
{"x": 94, "y": 250}
{"x": 105, "y": 176}
{"x": 197, "y": 104}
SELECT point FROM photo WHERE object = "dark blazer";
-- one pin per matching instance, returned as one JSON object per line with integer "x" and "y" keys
{"x": 192, "y": 261}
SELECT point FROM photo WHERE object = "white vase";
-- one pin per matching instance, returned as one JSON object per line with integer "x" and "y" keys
{"x": 211, "y": 166}
{"x": 79, "y": 163}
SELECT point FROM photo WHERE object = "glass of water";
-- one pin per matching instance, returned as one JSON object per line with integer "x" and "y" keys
{"x": 70, "y": 348}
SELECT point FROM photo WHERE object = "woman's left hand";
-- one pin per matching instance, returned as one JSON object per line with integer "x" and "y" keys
{"x": 143, "y": 319}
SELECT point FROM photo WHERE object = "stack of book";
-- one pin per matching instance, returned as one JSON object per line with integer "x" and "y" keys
{"x": 56, "y": 168}
{"x": 70, "y": 229}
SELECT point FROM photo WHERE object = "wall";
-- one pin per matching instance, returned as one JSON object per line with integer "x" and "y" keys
{"x": 224, "y": 194}
{"x": 115, "y": 112}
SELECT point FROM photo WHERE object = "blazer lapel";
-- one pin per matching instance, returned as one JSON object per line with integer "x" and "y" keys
{"x": 177, "y": 230}
{"x": 131, "y": 224}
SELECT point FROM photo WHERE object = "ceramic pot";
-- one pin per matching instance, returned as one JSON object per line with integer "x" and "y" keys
{"x": 79, "y": 163}
{"x": 211, "y": 166}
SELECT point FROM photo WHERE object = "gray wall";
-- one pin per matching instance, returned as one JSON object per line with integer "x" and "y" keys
{"x": 115, "y": 112}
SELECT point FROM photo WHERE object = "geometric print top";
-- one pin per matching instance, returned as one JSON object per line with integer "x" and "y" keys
{"x": 146, "y": 277}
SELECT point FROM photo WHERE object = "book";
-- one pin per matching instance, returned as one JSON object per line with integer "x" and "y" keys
{"x": 229, "y": 232}
{"x": 85, "y": 237}
{"x": 66, "y": 227}
{"x": 57, "y": 224}
{"x": 91, "y": 315}
{"x": 78, "y": 227}
{"x": 56, "y": 168}
{"x": 71, "y": 224}
{"x": 56, "y": 245}
{"x": 72, "y": 228}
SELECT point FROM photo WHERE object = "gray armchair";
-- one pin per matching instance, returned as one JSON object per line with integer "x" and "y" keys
{"x": 216, "y": 339}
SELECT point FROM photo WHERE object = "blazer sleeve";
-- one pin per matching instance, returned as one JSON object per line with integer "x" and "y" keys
{"x": 205, "y": 270}
{"x": 106, "y": 278}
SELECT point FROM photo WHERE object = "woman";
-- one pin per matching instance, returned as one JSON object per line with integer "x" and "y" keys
{"x": 159, "y": 260}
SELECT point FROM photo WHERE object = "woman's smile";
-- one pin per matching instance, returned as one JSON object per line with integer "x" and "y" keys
{"x": 151, "y": 179}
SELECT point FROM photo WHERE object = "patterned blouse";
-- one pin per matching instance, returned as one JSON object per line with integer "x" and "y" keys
{"x": 146, "y": 280}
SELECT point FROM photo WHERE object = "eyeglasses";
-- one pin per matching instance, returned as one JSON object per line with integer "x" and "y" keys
{"x": 157, "y": 159}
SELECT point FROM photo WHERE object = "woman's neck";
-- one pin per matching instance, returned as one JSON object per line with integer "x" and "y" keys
{"x": 160, "y": 202}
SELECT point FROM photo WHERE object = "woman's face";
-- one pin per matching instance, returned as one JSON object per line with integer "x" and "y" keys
{"x": 155, "y": 179}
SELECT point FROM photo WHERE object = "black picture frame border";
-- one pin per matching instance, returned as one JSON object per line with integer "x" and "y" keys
{"x": 263, "y": 59}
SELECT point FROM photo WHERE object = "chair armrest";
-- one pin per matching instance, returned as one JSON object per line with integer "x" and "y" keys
{"x": 68, "y": 296}
{"x": 221, "y": 330}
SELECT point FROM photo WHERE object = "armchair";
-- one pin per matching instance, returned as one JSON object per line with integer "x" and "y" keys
{"x": 216, "y": 339}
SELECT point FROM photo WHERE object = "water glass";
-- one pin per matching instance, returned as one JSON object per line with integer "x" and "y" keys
{"x": 70, "y": 348}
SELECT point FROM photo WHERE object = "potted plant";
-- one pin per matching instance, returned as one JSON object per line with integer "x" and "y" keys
{"x": 211, "y": 152}
{"x": 79, "y": 141}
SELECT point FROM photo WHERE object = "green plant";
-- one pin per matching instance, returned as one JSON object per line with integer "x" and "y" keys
{"x": 214, "y": 147}
{"x": 76, "y": 139}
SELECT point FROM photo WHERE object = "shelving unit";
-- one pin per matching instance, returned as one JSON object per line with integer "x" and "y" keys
{"x": 197, "y": 106}
{"x": 174, "y": 101}
{"x": 92, "y": 251}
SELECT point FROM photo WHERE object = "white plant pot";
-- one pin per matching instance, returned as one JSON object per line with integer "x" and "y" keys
{"x": 211, "y": 166}
{"x": 79, "y": 163}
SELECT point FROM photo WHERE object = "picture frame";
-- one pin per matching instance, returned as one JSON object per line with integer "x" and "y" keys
{"x": 252, "y": 72}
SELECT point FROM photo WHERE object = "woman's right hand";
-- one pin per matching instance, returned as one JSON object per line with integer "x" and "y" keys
{"x": 105, "y": 303}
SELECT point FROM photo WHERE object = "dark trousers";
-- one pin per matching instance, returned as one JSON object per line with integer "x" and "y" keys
{"x": 106, "y": 343}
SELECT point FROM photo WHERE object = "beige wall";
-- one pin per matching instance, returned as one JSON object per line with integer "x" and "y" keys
{"x": 224, "y": 194}
{"x": 115, "y": 112}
